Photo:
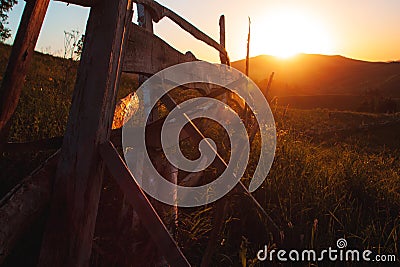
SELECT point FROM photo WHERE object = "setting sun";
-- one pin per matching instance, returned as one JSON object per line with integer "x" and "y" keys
{"x": 285, "y": 33}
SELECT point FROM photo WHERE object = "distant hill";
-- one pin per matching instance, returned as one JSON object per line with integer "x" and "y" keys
{"x": 307, "y": 74}
{"x": 304, "y": 81}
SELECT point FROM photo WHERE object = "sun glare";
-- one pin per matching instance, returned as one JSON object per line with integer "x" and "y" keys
{"x": 285, "y": 33}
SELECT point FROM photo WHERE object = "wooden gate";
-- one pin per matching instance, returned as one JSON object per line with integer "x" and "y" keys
{"x": 113, "y": 44}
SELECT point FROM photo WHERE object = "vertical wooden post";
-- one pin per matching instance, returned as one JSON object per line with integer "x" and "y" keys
{"x": 248, "y": 50}
{"x": 220, "y": 207}
{"x": 67, "y": 240}
{"x": 170, "y": 172}
{"x": 18, "y": 64}
{"x": 145, "y": 21}
{"x": 222, "y": 57}
{"x": 246, "y": 107}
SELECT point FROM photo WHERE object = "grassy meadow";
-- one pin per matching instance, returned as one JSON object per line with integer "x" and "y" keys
{"x": 336, "y": 174}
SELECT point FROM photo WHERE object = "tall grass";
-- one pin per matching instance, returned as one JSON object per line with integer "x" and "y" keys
{"x": 318, "y": 190}
{"x": 321, "y": 186}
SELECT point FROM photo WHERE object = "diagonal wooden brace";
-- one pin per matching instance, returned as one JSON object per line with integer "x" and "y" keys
{"x": 136, "y": 197}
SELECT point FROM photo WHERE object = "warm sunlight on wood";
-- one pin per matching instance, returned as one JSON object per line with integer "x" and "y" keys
{"x": 285, "y": 33}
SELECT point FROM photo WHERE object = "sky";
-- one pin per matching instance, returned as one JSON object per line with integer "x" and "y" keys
{"x": 361, "y": 29}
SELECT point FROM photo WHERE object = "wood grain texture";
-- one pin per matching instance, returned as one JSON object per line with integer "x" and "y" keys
{"x": 69, "y": 231}
{"x": 19, "y": 62}
{"x": 148, "y": 54}
{"x": 136, "y": 197}
{"x": 223, "y": 57}
{"x": 158, "y": 12}
{"x": 86, "y": 3}
{"x": 24, "y": 204}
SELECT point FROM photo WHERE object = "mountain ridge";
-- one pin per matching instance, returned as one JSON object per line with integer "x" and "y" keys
{"x": 315, "y": 74}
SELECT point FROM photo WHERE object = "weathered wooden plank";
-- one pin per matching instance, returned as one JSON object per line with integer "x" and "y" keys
{"x": 34, "y": 146}
{"x": 153, "y": 137}
{"x": 158, "y": 12}
{"x": 148, "y": 54}
{"x": 223, "y": 57}
{"x": 86, "y": 3}
{"x": 153, "y": 134}
{"x": 141, "y": 204}
{"x": 24, "y": 204}
{"x": 67, "y": 240}
{"x": 18, "y": 64}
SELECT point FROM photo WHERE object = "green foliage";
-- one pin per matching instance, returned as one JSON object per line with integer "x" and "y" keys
{"x": 5, "y": 7}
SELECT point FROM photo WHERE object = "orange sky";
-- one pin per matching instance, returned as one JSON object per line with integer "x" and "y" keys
{"x": 361, "y": 29}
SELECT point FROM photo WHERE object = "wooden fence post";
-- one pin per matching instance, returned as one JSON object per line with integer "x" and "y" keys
{"x": 246, "y": 107}
{"x": 68, "y": 236}
{"x": 18, "y": 64}
{"x": 169, "y": 171}
{"x": 224, "y": 58}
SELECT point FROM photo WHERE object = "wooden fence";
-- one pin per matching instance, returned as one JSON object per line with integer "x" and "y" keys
{"x": 113, "y": 44}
